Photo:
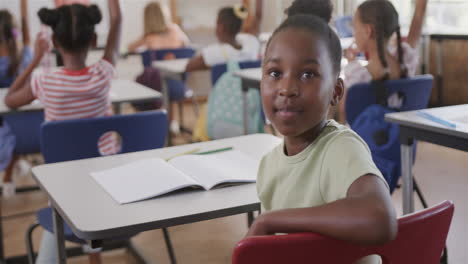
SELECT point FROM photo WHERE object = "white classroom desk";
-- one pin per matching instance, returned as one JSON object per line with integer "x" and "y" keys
{"x": 414, "y": 127}
{"x": 122, "y": 91}
{"x": 96, "y": 216}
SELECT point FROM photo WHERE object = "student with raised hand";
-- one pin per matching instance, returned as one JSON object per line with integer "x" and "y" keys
{"x": 375, "y": 23}
{"x": 159, "y": 31}
{"x": 233, "y": 44}
{"x": 75, "y": 90}
{"x": 13, "y": 60}
{"x": 322, "y": 178}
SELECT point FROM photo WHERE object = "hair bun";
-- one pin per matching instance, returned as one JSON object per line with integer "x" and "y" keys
{"x": 240, "y": 11}
{"x": 94, "y": 13}
{"x": 49, "y": 17}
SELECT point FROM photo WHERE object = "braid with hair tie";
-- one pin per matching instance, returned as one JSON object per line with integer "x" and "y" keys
{"x": 380, "y": 39}
{"x": 403, "y": 68}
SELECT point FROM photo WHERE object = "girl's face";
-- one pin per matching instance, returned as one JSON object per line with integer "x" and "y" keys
{"x": 362, "y": 32}
{"x": 298, "y": 83}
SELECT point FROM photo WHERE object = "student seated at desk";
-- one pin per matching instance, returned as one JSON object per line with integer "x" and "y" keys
{"x": 233, "y": 44}
{"x": 321, "y": 178}
{"x": 375, "y": 23}
{"x": 75, "y": 90}
{"x": 13, "y": 60}
{"x": 159, "y": 31}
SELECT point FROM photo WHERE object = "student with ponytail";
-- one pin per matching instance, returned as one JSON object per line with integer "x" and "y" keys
{"x": 75, "y": 90}
{"x": 375, "y": 24}
{"x": 235, "y": 30}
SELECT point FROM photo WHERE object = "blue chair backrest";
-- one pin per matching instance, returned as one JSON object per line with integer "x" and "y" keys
{"x": 344, "y": 26}
{"x": 218, "y": 70}
{"x": 416, "y": 91}
{"x": 77, "y": 139}
{"x": 26, "y": 126}
{"x": 150, "y": 55}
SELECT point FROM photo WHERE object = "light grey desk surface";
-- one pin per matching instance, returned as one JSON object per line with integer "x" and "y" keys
{"x": 176, "y": 66}
{"x": 413, "y": 120}
{"x": 415, "y": 127}
{"x": 251, "y": 74}
{"x": 93, "y": 214}
{"x": 121, "y": 91}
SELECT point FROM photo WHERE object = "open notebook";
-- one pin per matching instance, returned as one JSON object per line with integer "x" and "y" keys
{"x": 148, "y": 178}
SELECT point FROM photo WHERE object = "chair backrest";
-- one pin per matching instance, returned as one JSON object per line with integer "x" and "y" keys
{"x": 219, "y": 69}
{"x": 416, "y": 91}
{"x": 77, "y": 139}
{"x": 344, "y": 26}
{"x": 26, "y": 126}
{"x": 150, "y": 55}
{"x": 421, "y": 239}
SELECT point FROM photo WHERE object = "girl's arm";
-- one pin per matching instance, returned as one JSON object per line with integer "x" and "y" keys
{"x": 113, "y": 39}
{"x": 196, "y": 63}
{"x": 132, "y": 47}
{"x": 25, "y": 23}
{"x": 251, "y": 24}
{"x": 417, "y": 23}
{"x": 20, "y": 93}
{"x": 365, "y": 216}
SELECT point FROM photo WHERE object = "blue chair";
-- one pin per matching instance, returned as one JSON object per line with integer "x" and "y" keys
{"x": 178, "y": 91}
{"x": 344, "y": 26}
{"x": 26, "y": 127}
{"x": 415, "y": 92}
{"x": 218, "y": 70}
{"x": 77, "y": 139}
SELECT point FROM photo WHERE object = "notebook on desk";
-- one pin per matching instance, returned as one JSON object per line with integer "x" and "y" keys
{"x": 149, "y": 178}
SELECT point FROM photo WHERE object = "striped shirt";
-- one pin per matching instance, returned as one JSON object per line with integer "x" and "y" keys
{"x": 78, "y": 94}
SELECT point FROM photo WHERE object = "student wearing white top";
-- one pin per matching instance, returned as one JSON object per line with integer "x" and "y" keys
{"x": 232, "y": 44}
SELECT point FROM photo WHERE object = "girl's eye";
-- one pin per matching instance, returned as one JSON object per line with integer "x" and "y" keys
{"x": 308, "y": 75}
{"x": 274, "y": 74}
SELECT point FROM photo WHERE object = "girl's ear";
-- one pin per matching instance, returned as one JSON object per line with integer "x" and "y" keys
{"x": 338, "y": 92}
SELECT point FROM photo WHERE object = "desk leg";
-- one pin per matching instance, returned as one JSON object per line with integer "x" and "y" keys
{"x": 407, "y": 176}
{"x": 245, "y": 107}
{"x": 59, "y": 237}
{"x": 440, "y": 96}
{"x": 167, "y": 105}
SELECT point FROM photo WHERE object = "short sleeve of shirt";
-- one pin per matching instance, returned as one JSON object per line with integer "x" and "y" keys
{"x": 355, "y": 73}
{"x": 103, "y": 67}
{"x": 26, "y": 58}
{"x": 347, "y": 158}
{"x": 214, "y": 54}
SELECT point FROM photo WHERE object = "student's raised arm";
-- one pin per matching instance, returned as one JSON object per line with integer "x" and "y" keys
{"x": 20, "y": 93}
{"x": 365, "y": 216}
{"x": 25, "y": 23}
{"x": 417, "y": 23}
{"x": 251, "y": 24}
{"x": 113, "y": 39}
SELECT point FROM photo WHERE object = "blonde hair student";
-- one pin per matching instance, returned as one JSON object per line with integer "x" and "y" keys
{"x": 75, "y": 90}
{"x": 159, "y": 31}
{"x": 321, "y": 178}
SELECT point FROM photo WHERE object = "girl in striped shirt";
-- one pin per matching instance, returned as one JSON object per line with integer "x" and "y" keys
{"x": 74, "y": 90}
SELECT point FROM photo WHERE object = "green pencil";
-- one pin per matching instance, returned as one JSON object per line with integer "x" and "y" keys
{"x": 214, "y": 151}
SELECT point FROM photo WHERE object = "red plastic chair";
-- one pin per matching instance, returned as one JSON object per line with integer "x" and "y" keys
{"x": 420, "y": 240}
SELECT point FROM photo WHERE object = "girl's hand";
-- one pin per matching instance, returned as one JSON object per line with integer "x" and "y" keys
{"x": 42, "y": 45}
{"x": 259, "y": 227}
{"x": 351, "y": 52}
